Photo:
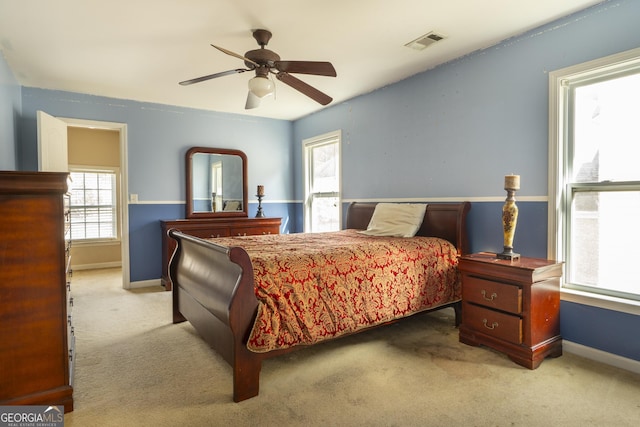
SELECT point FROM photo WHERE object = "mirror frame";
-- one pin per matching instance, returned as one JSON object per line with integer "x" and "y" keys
{"x": 190, "y": 214}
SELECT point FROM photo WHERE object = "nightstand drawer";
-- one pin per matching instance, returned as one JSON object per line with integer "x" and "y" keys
{"x": 492, "y": 294}
{"x": 500, "y": 325}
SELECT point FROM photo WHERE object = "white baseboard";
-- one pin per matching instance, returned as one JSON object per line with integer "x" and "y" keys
{"x": 97, "y": 266}
{"x": 145, "y": 284}
{"x": 601, "y": 356}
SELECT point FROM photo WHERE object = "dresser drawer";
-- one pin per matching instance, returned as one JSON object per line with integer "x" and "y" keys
{"x": 209, "y": 232}
{"x": 494, "y": 323}
{"x": 211, "y": 228}
{"x": 492, "y": 294}
{"x": 253, "y": 231}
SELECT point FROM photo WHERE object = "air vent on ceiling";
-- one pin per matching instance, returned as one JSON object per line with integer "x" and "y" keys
{"x": 425, "y": 41}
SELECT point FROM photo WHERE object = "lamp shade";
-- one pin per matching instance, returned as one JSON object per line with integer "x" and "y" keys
{"x": 261, "y": 86}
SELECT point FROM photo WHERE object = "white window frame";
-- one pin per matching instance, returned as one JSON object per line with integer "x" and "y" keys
{"x": 334, "y": 137}
{"x": 558, "y": 134}
{"x": 116, "y": 198}
{"x": 216, "y": 185}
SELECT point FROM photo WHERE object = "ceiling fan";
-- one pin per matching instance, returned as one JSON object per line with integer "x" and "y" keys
{"x": 263, "y": 62}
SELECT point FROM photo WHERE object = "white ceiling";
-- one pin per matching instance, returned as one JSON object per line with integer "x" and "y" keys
{"x": 141, "y": 49}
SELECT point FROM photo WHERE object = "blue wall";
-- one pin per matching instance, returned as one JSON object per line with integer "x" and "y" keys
{"x": 10, "y": 108}
{"x": 451, "y": 132}
{"x": 455, "y": 131}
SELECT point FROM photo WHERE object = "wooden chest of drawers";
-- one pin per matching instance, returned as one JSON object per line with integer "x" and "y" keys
{"x": 207, "y": 228}
{"x": 512, "y": 306}
{"x": 36, "y": 331}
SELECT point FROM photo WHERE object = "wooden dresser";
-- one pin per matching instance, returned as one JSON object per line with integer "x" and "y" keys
{"x": 212, "y": 227}
{"x": 512, "y": 306}
{"x": 36, "y": 332}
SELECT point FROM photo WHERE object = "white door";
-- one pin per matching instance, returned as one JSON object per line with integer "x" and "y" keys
{"x": 52, "y": 144}
{"x": 51, "y": 133}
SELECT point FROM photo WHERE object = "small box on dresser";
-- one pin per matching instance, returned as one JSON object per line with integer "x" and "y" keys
{"x": 512, "y": 306}
{"x": 36, "y": 339}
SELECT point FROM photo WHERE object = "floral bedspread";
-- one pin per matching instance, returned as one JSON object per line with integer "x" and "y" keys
{"x": 311, "y": 287}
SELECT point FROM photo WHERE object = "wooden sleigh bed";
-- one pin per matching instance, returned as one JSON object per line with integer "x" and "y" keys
{"x": 215, "y": 288}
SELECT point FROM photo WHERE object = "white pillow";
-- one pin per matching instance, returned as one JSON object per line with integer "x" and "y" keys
{"x": 232, "y": 205}
{"x": 396, "y": 219}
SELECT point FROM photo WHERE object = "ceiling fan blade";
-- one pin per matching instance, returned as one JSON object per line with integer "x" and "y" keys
{"x": 252, "y": 101}
{"x": 306, "y": 89}
{"x": 307, "y": 67}
{"x": 237, "y": 55}
{"x": 212, "y": 76}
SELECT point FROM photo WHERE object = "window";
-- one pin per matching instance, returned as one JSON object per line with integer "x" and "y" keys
{"x": 595, "y": 175}
{"x": 322, "y": 179}
{"x": 93, "y": 205}
{"x": 216, "y": 187}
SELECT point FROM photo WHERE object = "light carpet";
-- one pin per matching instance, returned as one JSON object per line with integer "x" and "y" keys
{"x": 135, "y": 368}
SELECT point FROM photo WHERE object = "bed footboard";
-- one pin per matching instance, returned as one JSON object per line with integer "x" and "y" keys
{"x": 213, "y": 289}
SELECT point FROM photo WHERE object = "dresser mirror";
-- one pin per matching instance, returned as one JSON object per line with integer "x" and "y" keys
{"x": 216, "y": 183}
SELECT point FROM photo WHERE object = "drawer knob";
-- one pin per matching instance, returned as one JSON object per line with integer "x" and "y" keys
{"x": 491, "y": 298}
{"x": 493, "y": 325}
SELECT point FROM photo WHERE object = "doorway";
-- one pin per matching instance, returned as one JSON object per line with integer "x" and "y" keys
{"x": 121, "y": 128}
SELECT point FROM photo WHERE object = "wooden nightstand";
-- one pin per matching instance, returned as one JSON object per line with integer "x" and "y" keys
{"x": 512, "y": 306}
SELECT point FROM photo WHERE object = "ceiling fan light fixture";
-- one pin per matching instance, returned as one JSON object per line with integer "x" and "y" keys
{"x": 261, "y": 86}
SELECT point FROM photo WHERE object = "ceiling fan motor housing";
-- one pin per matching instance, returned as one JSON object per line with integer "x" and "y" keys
{"x": 264, "y": 57}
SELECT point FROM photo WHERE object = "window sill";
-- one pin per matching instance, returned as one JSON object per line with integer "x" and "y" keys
{"x": 96, "y": 242}
{"x": 601, "y": 301}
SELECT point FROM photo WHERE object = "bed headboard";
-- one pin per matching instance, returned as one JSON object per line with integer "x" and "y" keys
{"x": 444, "y": 220}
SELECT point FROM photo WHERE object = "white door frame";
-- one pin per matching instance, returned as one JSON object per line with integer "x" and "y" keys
{"x": 124, "y": 185}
